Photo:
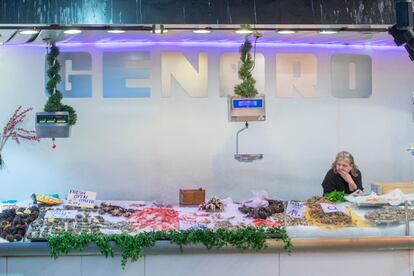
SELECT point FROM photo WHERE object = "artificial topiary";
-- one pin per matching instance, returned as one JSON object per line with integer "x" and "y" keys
{"x": 54, "y": 103}
{"x": 247, "y": 87}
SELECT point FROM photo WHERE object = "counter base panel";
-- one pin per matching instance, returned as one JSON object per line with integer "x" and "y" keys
{"x": 338, "y": 263}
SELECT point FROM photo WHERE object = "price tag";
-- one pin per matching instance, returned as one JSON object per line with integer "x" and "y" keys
{"x": 295, "y": 209}
{"x": 329, "y": 208}
{"x": 81, "y": 198}
{"x": 185, "y": 225}
{"x": 64, "y": 214}
{"x": 110, "y": 231}
{"x": 8, "y": 206}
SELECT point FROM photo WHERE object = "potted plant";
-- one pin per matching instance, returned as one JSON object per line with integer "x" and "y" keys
{"x": 57, "y": 119}
{"x": 247, "y": 104}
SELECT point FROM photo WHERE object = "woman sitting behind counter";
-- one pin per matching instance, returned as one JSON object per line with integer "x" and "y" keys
{"x": 344, "y": 175}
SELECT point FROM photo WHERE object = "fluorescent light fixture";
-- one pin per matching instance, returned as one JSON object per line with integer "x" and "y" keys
{"x": 244, "y": 31}
{"x": 159, "y": 31}
{"x": 286, "y": 32}
{"x": 28, "y": 32}
{"x": 328, "y": 32}
{"x": 201, "y": 31}
{"x": 116, "y": 31}
{"x": 72, "y": 31}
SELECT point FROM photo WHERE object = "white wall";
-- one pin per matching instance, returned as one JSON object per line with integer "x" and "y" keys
{"x": 148, "y": 148}
{"x": 386, "y": 263}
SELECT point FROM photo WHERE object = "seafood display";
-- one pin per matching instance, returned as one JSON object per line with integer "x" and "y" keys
{"x": 114, "y": 210}
{"x": 335, "y": 218}
{"x": 258, "y": 222}
{"x": 226, "y": 224}
{"x": 395, "y": 197}
{"x": 37, "y": 223}
{"x": 275, "y": 206}
{"x": 392, "y": 215}
{"x": 14, "y": 223}
{"x": 213, "y": 205}
{"x": 154, "y": 219}
{"x": 317, "y": 213}
{"x": 316, "y": 200}
{"x": 280, "y": 219}
{"x": 78, "y": 221}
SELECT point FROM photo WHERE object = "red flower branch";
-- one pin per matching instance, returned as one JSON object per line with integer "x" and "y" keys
{"x": 17, "y": 134}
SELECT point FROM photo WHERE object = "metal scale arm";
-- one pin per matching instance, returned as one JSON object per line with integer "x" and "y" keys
{"x": 245, "y": 157}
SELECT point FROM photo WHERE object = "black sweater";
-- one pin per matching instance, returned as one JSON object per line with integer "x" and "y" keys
{"x": 333, "y": 181}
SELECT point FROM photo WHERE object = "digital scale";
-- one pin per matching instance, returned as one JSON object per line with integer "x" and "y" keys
{"x": 52, "y": 124}
{"x": 247, "y": 109}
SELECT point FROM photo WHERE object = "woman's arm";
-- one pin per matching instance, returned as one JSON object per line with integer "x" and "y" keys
{"x": 349, "y": 180}
{"x": 358, "y": 181}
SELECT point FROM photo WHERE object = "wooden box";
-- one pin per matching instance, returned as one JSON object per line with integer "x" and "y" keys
{"x": 192, "y": 196}
{"x": 381, "y": 188}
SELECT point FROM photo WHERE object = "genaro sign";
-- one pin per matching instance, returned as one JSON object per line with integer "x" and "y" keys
{"x": 130, "y": 74}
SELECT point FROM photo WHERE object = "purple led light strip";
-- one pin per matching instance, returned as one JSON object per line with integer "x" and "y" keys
{"x": 217, "y": 44}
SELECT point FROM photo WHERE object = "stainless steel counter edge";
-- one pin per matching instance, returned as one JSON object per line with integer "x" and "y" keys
{"x": 165, "y": 247}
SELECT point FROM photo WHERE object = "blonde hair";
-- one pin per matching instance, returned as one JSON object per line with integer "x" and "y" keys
{"x": 344, "y": 155}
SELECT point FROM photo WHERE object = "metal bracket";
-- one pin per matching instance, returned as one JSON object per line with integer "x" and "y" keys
{"x": 245, "y": 157}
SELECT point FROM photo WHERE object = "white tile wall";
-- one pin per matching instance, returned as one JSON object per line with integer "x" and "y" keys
{"x": 3, "y": 266}
{"x": 384, "y": 263}
{"x": 44, "y": 266}
{"x": 99, "y": 265}
{"x": 148, "y": 149}
{"x": 381, "y": 263}
{"x": 207, "y": 265}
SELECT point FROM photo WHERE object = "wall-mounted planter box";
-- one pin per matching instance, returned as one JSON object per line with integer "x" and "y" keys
{"x": 247, "y": 109}
{"x": 52, "y": 124}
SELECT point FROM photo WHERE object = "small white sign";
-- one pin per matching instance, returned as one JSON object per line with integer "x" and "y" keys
{"x": 185, "y": 225}
{"x": 329, "y": 208}
{"x": 108, "y": 231}
{"x": 81, "y": 198}
{"x": 64, "y": 214}
{"x": 295, "y": 209}
{"x": 8, "y": 206}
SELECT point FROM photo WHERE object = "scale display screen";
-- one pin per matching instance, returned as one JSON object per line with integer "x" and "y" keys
{"x": 253, "y": 103}
{"x": 52, "y": 119}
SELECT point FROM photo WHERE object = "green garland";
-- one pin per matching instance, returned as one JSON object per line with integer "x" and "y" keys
{"x": 247, "y": 87}
{"x": 54, "y": 103}
{"x": 132, "y": 246}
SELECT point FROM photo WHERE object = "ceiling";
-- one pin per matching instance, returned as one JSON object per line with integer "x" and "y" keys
{"x": 377, "y": 36}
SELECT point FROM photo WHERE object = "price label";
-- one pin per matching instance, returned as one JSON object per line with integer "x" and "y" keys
{"x": 185, "y": 225}
{"x": 64, "y": 214}
{"x": 81, "y": 198}
{"x": 329, "y": 208}
{"x": 295, "y": 209}
{"x": 8, "y": 206}
{"x": 108, "y": 231}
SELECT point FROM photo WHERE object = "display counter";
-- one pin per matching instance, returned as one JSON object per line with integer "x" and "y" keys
{"x": 358, "y": 240}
